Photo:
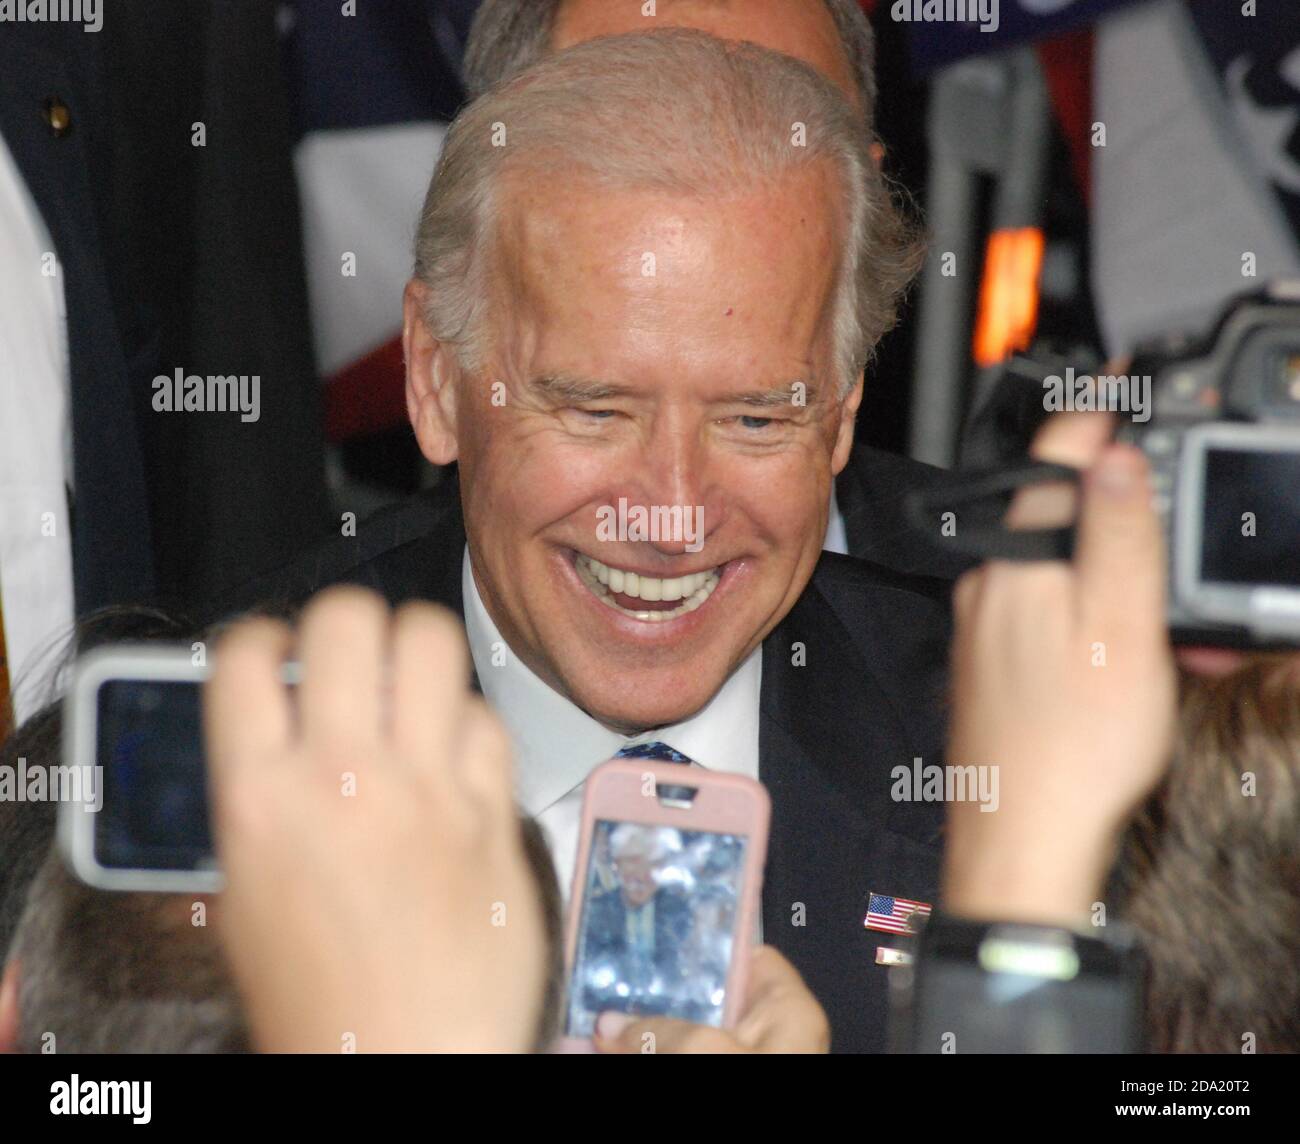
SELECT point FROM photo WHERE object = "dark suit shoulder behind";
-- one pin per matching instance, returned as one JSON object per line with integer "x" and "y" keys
{"x": 872, "y": 496}
{"x": 409, "y": 550}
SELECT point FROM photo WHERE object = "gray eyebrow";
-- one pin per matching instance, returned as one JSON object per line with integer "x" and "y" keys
{"x": 566, "y": 387}
{"x": 778, "y": 396}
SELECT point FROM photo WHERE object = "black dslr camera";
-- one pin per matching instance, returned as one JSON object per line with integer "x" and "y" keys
{"x": 1223, "y": 440}
{"x": 1219, "y": 420}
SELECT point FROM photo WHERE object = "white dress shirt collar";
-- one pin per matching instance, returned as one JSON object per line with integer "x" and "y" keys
{"x": 557, "y": 744}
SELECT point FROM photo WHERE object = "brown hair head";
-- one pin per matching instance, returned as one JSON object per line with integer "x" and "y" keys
{"x": 1210, "y": 870}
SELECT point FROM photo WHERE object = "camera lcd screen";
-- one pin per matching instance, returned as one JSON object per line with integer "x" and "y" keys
{"x": 155, "y": 808}
{"x": 1251, "y": 518}
{"x": 658, "y": 924}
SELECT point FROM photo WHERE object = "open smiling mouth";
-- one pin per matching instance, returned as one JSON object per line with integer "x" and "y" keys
{"x": 647, "y": 598}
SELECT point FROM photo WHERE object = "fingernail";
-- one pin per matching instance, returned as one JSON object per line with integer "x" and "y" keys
{"x": 1117, "y": 473}
{"x": 610, "y": 1026}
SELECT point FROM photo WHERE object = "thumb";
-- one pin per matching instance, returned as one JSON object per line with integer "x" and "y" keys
{"x": 780, "y": 1012}
{"x": 1119, "y": 549}
{"x": 621, "y": 1033}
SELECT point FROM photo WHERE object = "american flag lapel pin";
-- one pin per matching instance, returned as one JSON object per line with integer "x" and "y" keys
{"x": 889, "y": 914}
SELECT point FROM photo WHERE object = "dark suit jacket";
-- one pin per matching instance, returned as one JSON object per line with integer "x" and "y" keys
{"x": 173, "y": 256}
{"x": 111, "y": 528}
{"x": 853, "y": 686}
{"x": 606, "y": 928}
{"x": 654, "y": 990}
{"x": 870, "y": 493}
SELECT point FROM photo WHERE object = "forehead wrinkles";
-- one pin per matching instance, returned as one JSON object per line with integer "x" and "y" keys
{"x": 776, "y": 251}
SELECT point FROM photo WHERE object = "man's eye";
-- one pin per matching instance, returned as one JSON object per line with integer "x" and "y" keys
{"x": 757, "y": 423}
{"x": 599, "y": 414}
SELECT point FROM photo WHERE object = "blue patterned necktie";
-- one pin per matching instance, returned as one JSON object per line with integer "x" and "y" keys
{"x": 657, "y": 751}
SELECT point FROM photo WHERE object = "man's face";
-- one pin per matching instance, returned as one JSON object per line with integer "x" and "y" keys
{"x": 636, "y": 879}
{"x": 804, "y": 29}
{"x": 659, "y": 352}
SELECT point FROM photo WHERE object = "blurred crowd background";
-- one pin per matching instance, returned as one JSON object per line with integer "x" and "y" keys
{"x": 232, "y": 189}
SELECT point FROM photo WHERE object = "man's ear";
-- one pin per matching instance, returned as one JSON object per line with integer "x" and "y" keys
{"x": 9, "y": 1009}
{"x": 847, "y": 425}
{"x": 878, "y": 153}
{"x": 431, "y": 375}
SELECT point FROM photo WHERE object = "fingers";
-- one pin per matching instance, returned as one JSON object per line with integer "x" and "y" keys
{"x": 966, "y": 593}
{"x": 430, "y": 668}
{"x": 342, "y": 644}
{"x": 1074, "y": 439}
{"x": 1120, "y": 546}
{"x": 781, "y": 1015}
{"x": 769, "y": 973}
{"x": 350, "y": 651}
{"x": 618, "y": 1033}
{"x": 246, "y": 709}
{"x": 485, "y": 767}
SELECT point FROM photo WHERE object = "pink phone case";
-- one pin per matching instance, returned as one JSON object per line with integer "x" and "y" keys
{"x": 624, "y": 790}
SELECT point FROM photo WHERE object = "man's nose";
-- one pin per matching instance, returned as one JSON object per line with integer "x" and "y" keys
{"x": 676, "y": 475}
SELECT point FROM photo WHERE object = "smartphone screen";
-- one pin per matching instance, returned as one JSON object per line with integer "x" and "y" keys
{"x": 659, "y": 909}
{"x": 150, "y": 746}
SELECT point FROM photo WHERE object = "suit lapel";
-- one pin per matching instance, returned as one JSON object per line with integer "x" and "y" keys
{"x": 829, "y": 738}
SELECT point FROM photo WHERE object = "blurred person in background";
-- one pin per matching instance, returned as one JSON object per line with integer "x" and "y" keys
{"x": 148, "y": 225}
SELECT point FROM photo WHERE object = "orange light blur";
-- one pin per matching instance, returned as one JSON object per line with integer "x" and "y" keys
{"x": 1008, "y": 311}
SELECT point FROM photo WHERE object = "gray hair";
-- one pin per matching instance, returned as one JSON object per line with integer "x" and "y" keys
{"x": 509, "y": 36}
{"x": 653, "y": 843}
{"x": 725, "y": 117}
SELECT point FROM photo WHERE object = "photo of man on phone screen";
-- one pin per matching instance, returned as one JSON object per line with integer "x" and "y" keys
{"x": 660, "y": 910}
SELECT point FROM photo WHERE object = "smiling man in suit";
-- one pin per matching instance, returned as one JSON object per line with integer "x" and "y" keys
{"x": 669, "y": 313}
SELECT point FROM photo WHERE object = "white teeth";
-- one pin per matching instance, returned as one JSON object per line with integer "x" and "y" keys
{"x": 692, "y": 589}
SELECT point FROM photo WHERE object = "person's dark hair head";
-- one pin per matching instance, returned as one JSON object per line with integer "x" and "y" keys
{"x": 509, "y": 36}
{"x": 27, "y": 828}
{"x": 104, "y": 972}
{"x": 1210, "y": 869}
